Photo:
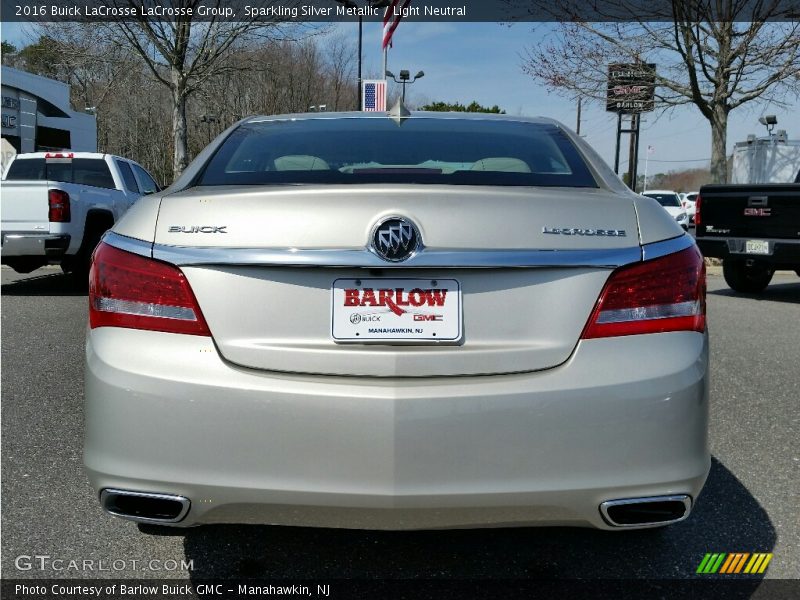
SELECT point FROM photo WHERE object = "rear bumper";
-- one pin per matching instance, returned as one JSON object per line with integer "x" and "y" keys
{"x": 622, "y": 418}
{"x": 34, "y": 244}
{"x": 782, "y": 252}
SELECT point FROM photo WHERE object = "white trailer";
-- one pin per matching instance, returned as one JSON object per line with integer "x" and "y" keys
{"x": 773, "y": 159}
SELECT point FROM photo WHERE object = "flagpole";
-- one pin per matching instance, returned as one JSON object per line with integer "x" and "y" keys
{"x": 389, "y": 6}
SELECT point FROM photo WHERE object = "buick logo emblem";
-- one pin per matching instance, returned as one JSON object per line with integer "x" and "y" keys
{"x": 395, "y": 239}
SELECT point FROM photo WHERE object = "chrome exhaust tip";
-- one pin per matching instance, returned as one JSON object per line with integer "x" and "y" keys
{"x": 144, "y": 507}
{"x": 646, "y": 512}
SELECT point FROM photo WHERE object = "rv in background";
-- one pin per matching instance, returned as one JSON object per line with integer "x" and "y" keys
{"x": 772, "y": 159}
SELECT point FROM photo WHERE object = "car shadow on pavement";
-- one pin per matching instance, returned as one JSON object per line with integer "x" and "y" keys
{"x": 775, "y": 292}
{"x": 727, "y": 518}
{"x": 51, "y": 284}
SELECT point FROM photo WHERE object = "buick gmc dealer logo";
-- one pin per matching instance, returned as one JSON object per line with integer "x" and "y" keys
{"x": 397, "y": 300}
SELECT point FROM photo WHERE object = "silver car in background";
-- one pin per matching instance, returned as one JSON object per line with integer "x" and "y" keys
{"x": 353, "y": 320}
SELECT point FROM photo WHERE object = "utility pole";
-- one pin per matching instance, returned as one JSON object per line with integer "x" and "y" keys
{"x": 633, "y": 151}
{"x": 578, "y": 128}
{"x": 616, "y": 151}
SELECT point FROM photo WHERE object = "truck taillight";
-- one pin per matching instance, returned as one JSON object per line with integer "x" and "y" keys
{"x": 58, "y": 206}
{"x": 655, "y": 296}
{"x": 128, "y": 290}
{"x": 697, "y": 218}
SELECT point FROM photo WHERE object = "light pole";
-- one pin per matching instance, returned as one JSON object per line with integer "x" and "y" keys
{"x": 351, "y": 4}
{"x": 209, "y": 120}
{"x": 405, "y": 76}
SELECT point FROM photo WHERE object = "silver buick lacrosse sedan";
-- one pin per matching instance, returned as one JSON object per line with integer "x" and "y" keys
{"x": 397, "y": 322}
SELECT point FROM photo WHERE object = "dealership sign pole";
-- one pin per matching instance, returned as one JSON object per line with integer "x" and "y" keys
{"x": 631, "y": 91}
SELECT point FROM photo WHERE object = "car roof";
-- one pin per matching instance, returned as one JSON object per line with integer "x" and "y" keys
{"x": 660, "y": 192}
{"x": 414, "y": 115}
{"x": 74, "y": 154}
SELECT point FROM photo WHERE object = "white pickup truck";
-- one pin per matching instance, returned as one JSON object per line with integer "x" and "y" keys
{"x": 57, "y": 205}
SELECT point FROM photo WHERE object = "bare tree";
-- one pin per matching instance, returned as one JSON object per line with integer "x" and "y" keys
{"x": 185, "y": 53}
{"x": 715, "y": 54}
{"x": 134, "y": 109}
{"x": 340, "y": 59}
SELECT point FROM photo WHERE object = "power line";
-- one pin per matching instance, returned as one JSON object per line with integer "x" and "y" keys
{"x": 625, "y": 161}
{"x": 681, "y": 161}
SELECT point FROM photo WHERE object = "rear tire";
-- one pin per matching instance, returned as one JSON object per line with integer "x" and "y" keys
{"x": 746, "y": 279}
{"x": 79, "y": 266}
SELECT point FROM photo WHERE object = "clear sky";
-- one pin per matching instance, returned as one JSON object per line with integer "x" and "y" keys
{"x": 482, "y": 61}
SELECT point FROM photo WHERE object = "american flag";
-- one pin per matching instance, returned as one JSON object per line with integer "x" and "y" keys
{"x": 374, "y": 95}
{"x": 391, "y": 21}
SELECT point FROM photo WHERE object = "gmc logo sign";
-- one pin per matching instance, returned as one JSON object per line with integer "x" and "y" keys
{"x": 427, "y": 317}
{"x": 757, "y": 212}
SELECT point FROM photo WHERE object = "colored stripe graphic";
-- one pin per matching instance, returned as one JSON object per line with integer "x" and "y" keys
{"x": 701, "y": 568}
{"x": 716, "y": 565}
{"x": 711, "y": 563}
{"x": 740, "y": 564}
{"x": 764, "y": 564}
{"x": 727, "y": 564}
{"x": 732, "y": 563}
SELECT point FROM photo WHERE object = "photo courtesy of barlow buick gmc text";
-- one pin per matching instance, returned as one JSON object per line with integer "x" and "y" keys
{"x": 400, "y": 299}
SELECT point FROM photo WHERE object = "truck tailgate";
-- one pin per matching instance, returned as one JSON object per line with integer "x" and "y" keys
{"x": 753, "y": 211}
{"x": 24, "y": 206}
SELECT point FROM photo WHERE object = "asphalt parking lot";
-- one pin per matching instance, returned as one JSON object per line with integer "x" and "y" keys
{"x": 751, "y": 502}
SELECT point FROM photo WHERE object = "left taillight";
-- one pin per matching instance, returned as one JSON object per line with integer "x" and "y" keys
{"x": 654, "y": 296}
{"x": 58, "y": 206}
{"x": 131, "y": 291}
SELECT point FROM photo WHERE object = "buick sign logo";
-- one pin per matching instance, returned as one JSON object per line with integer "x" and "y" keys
{"x": 395, "y": 239}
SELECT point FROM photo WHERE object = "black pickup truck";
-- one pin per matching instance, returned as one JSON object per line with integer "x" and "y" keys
{"x": 753, "y": 228}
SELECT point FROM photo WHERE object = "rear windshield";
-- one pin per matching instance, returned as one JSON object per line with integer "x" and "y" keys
{"x": 665, "y": 199}
{"x": 84, "y": 171}
{"x": 378, "y": 150}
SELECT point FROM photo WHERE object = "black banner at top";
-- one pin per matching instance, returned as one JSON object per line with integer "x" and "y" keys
{"x": 296, "y": 11}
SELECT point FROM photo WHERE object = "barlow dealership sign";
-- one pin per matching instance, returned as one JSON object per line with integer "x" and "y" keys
{"x": 631, "y": 88}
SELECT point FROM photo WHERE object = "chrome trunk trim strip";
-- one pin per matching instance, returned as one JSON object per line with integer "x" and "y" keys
{"x": 364, "y": 258}
{"x": 129, "y": 244}
{"x": 659, "y": 249}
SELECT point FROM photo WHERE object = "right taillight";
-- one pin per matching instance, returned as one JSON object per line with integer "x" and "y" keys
{"x": 697, "y": 204}
{"x": 58, "y": 206}
{"x": 655, "y": 296}
{"x": 128, "y": 290}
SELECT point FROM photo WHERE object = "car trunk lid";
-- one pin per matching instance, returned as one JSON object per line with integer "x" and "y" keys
{"x": 523, "y": 263}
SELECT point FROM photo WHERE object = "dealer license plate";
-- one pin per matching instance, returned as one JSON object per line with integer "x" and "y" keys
{"x": 756, "y": 247}
{"x": 396, "y": 310}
